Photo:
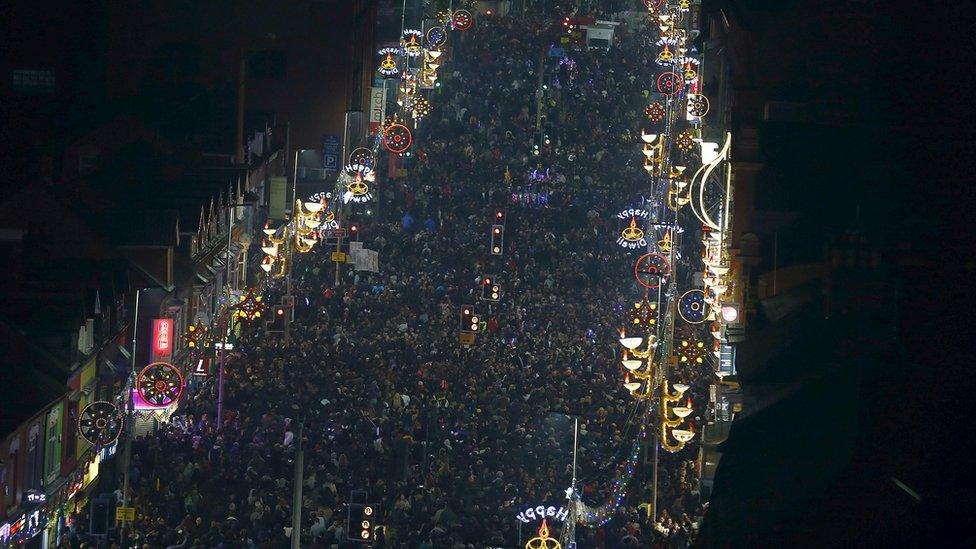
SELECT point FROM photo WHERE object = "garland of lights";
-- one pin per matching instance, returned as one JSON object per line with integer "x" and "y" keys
{"x": 599, "y": 516}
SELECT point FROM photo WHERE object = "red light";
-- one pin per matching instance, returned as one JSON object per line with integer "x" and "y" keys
{"x": 487, "y": 12}
{"x": 487, "y": 281}
{"x": 280, "y": 311}
{"x": 467, "y": 311}
{"x": 499, "y": 214}
{"x": 497, "y": 230}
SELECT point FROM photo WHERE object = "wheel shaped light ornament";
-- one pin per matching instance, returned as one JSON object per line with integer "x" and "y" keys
{"x": 650, "y": 269}
{"x": 362, "y": 156}
{"x": 692, "y": 307}
{"x": 397, "y": 138}
{"x": 100, "y": 423}
{"x": 697, "y": 106}
{"x": 669, "y": 83}
{"x": 462, "y": 20}
{"x": 436, "y": 37}
{"x": 160, "y": 384}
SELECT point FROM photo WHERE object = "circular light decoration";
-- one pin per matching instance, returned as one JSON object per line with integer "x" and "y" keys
{"x": 160, "y": 384}
{"x": 436, "y": 37}
{"x": 669, "y": 83}
{"x": 100, "y": 423}
{"x": 388, "y": 64}
{"x": 412, "y": 42}
{"x": 691, "y": 351}
{"x": 462, "y": 20}
{"x": 653, "y": 5}
{"x": 650, "y": 269}
{"x": 361, "y": 155}
{"x": 631, "y": 236}
{"x": 421, "y": 107}
{"x": 692, "y": 307}
{"x": 655, "y": 112}
{"x": 357, "y": 190}
{"x": 684, "y": 141}
{"x": 697, "y": 105}
{"x": 397, "y": 138}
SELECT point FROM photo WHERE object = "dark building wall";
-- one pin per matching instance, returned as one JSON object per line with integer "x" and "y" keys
{"x": 185, "y": 57}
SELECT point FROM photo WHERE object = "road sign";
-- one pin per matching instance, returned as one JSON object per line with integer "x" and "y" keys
{"x": 466, "y": 338}
{"x": 331, "y": 152}
{"x": 127, "y": 514}
{"x": 338, "y": 257}
{"x": 334, "y": 233}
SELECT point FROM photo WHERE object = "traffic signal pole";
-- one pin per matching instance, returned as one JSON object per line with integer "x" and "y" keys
{"x": 296, "y": 504}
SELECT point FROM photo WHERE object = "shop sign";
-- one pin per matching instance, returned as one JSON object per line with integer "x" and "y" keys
{"x": 162, "y": 338}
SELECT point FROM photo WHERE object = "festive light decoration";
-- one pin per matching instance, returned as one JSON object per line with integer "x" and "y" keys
{"x": 359, "y": 176}
{"x": 655, "y": 112}
{"x": 100, "y": 423}
{"x": 664, "y": 245}
{"x": 669, "y": 83}
{"x": 692, "y": 307}
{"x": 160, "y": 384}
{"x": 543, "y": 541}
{"x": 462, "y": 20}
{"x": 195, "y": 334}
{"x": 250, "y": 306}
{"x": 666, "y": 56}
{"x": 643, "y": 314}
{"x": 697, "y": 106}
{"x": 685, "y": 141}
{"x": 650, "y": 269}
{"x": 599, "y": 516}
{"x": 412, "y": 42}
{"x": 388, "y": 65}
{"x": 421, "y": 107}
{"x": 436, "y": 37}
{"x": 632, "y": 236}
{"x": 692, "y": 351}
{"x": 397, "y": 138}
{"x": 361, "y": 155}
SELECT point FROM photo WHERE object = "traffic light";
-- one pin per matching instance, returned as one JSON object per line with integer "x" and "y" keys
{"x": 470, "y": 321}
{"x": 497, "y": 239}
{"x": 279, "y": 320}
{"x": 490, "y": 289}
{"x": 354, "y": 231}
{"x": 499, "y": 217}
{"x": 362, "y": 521}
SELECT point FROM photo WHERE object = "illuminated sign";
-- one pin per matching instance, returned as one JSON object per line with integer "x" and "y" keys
{"x": 36, "y": 497}
{"x": 541, "y": 511}
{"x": 201, "y": 367}
{"x": 632, "y": 236}
{"x": 162, "y": 338}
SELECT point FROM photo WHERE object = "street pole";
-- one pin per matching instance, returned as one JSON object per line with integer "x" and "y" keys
{"x": 296, "y": 513}
{"x": 130, "y": 409}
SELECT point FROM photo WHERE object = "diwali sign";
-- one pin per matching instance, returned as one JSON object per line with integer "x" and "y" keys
{"x": 541, "y": 511}
{"x": 162, "y": 338}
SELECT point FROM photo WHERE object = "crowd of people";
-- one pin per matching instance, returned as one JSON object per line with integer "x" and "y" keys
{"x": 449, "y": 442}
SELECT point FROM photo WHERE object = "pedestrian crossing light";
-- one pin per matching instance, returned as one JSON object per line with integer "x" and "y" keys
{"x": 497, "y": 239}
{"x": 470, "y": 321}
